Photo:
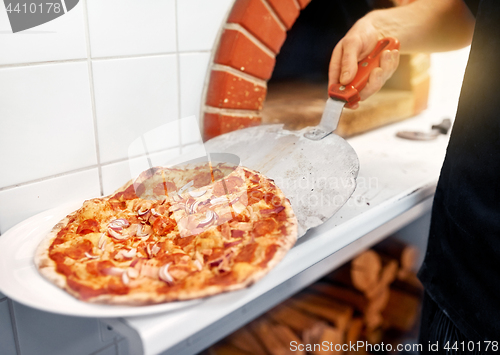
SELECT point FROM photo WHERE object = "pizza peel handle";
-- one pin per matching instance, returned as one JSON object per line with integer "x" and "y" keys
{"x": 350, "y": 92}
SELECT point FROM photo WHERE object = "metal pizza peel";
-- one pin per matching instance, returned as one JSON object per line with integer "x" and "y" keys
{"x": 315, "y": 168}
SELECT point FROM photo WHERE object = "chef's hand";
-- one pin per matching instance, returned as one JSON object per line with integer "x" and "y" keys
{"x": 356, "y": 45}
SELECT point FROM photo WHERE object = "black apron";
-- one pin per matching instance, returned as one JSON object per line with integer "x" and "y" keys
{"x": 461, "y": 271}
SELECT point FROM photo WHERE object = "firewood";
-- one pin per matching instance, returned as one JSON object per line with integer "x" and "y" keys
{"x": 374, "y": 336}
{"x": 405, "y": 254}
{"x": 313, "y": 334}
{"x": 246, "y": 341}
{"x": 354, "y": 330}
{"x": 365, "y": 270}
{"x": 330, "y": 336}
{"x": 344, "y": 294}
{"x": 373, "y": 320}
{"x": 336, "y": 312}
{"x": 286, "y": 336}
{"x": 298, "y": 321}
{"x": 401, "y": 311}
{"x": 389, "y": 269}
{"x": 262, "y": 328}
{"x": 409, "y": 284}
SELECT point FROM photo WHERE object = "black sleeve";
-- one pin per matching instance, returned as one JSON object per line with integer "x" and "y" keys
{"x": 473, "y": 5}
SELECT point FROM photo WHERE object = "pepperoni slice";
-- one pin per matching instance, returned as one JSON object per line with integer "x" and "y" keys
{"x": 219, "y": 189}
{"x": 232, "y": 183}
{"x": 265, "y": 226}
{"x": 88, "y": 226}
{"x": 202, "y": 179}
{"x": 163, "y": 188}
{"x": 182, "y": 242}
{"x": 163, "y": 225}
{"x": 237, "y": 233}
{"x": 96, "y": 267}
{"x": 272, "y": 199}
{"x": 78, "y": 250}
{"x": 270, "y": 251}
{"x": 247, "y": 253}
{"x": 254, "y": 196}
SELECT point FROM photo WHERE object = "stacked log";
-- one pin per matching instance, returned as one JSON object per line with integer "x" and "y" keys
{"x": 374, "y": 295}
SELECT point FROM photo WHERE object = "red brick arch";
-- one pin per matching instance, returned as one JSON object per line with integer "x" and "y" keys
{"x": 244, "y": 61}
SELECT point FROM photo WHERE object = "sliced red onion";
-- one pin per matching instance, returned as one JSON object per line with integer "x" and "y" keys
{"x": 142, "y": 212}
{"x": 101, "y": 244}
{"x": 185, "y": 187}
{"x": 209, "y": 218}
{"x": 141, "y": 233}
{"x": 197, "y": 193}
{"x": 164, "y": 275}
{"x": 176, "y": 207}
{"x": 130, "y": 253}
{"x": 272, "y": 210}
{"x": 194, "y": 207}
{"x": 198, "y": 265}
{"x": 119, "y": 224}
{"x": 132, "y": 273}
{"x": 90, "y": 256}
{"x": 113, "y": 271}
{"x": 155, "y": 249}
{"x": 125, "y": 278}
{"x": 218, "y": 200}
{"x": 117, "y": 235}
{"x": 148, "y": 250}
{"x": 154, "y": 213}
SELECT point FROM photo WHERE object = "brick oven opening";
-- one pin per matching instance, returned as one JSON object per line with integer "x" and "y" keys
{"x": 271, "y": 65}
{"x": 297, "y": 90}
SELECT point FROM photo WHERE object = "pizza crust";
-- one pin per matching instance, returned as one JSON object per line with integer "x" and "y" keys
{"x": 47, "y": 266}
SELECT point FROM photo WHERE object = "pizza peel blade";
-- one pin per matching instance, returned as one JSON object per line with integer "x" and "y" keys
{"x": 315, "y": 168}
{"x": 318, "y": 177}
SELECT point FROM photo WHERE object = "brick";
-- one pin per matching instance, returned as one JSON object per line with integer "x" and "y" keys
{"x": 219, "y": 123}
{"x": 304, "y": 3}
{"x": 256, "y": 18}
{"x": 286, "y": 10}
{"x": 227, "y": 90}
{"x": 240, "y": 52}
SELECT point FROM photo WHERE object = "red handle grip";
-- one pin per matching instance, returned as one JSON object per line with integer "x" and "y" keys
{"x": 350, "y": 92}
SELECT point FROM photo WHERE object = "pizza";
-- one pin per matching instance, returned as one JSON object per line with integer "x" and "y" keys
{"x": 172, "y": 234}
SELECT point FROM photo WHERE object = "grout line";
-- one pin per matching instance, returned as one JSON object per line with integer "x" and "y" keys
{"x": 178, "y": 65}
{"x": 275, "y": 15}
{"x": 246, "y": 76}
{"x": 69, "y": 172}
{"x": 132, "y": 56}
{"x": 90, "y": 167}
{"x": 231, "y": 112}
{"x": 21, "y": 65}
{"x": 92, "y": 96}
{"x": 251, "y": 37}
{"x": 14, "y": 326}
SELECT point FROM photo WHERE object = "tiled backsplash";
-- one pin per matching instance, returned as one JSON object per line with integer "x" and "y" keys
{"x": 77, "y": 91}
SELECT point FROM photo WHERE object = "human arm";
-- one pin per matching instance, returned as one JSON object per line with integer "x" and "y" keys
{"x": 422, "y": 26}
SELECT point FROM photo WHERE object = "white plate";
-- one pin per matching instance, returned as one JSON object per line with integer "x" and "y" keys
{"x": 20, "y": 280}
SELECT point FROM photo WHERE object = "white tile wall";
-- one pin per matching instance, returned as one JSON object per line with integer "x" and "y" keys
{"x": 133, "y": 96}
{"x": 22, "y": 202}
{"x": 192, "y": 67}
{"x": 62, "y": 38}
{"x": 46, "y": 124}
{"x": 199, "y": 22}
{"x": 131, "y": 27}
{"x": 74, "y": 94}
